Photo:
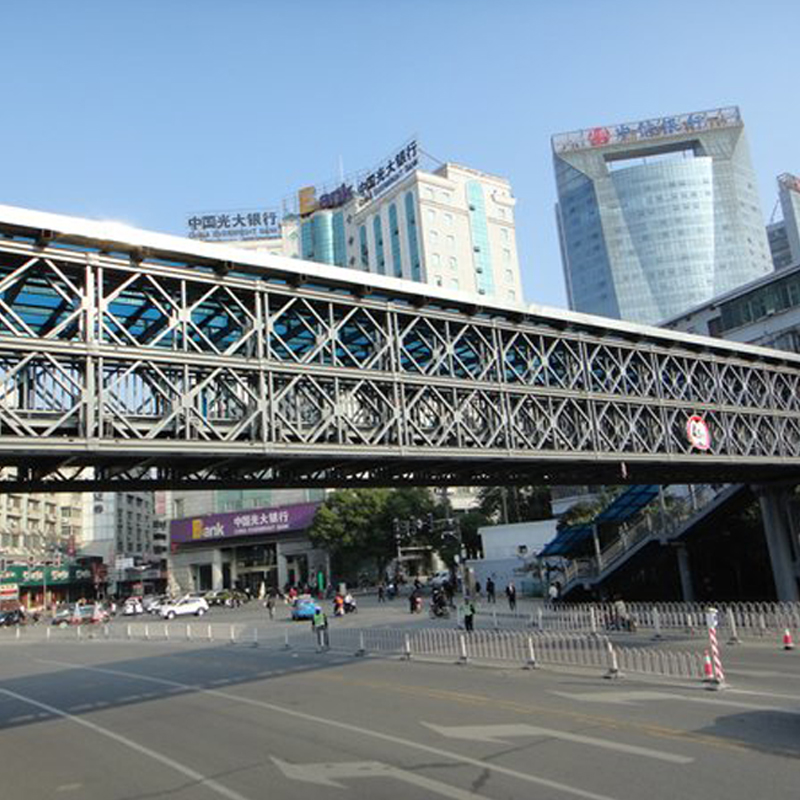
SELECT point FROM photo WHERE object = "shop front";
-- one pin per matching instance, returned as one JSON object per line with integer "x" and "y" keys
{"x": 45, "y": 586}
{"x": 255, "y": 551}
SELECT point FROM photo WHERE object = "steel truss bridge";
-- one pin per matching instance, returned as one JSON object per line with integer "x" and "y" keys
{"x": 132, "y": 360}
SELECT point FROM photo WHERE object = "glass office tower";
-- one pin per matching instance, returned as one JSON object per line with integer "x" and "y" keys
{"x": 656, "y": 217}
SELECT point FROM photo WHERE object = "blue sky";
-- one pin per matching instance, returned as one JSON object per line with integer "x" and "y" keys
{"x": 144, "y": 111}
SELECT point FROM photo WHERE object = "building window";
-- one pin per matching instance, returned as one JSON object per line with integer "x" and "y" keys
{"x": 436, "y": 259}
{"x": 509, "y": 276}
{"x": 506, "y": 254}
{"x": 438, "y": 280}
{"x": 413, "y": 249}
{"x": 451, "y": 241}
{"x": 448, "y": 219}
{"x": 504, "y": 234}
{"x": 395, "y": 232}
{"x": 452, "y": 261}
{"x": 431, "y": 214}
{"x": 428, "y": 193}
{"x": 377, "y": 229}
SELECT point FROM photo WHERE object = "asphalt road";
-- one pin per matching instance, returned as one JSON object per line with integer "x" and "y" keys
{"x": 109, "y": 720}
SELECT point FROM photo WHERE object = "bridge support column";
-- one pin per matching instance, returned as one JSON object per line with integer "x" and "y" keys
{"x": 774, "y": 501}
{"x": 216, "y": 570}
{"x": 685, "y": 572}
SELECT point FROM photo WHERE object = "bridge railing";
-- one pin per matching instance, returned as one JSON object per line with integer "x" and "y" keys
{"x": 660, "y": 523}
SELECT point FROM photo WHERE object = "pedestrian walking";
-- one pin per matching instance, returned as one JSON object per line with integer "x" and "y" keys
{"x": 319, "y": 624}
{"x": 477, "y": 588}
{"x": 469, "y": 615}
{"x": 511, "y": 594}
{"x": 381, "y": 593}
{"x": 490, "y": 596}
{"x": 270, "y": 604}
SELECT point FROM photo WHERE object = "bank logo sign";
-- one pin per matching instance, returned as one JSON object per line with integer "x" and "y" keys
{"x": 234, "y": 226}
{"x": 368, "y": 184}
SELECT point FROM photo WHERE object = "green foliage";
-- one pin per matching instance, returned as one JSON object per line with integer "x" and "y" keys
{"x": 515, "y": 503}
{"x": 356, "y": 526}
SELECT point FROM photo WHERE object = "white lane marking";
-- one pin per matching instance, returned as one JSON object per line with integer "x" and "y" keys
{"x": 188, "y": 772}
{"x": 617, "y": 697}
{"x": 325, "y": 775}
{"x": 366, "y": 732}
{"x": 498, "y": 733}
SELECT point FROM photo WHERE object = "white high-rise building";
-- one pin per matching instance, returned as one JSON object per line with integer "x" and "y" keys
{"x": 452, "y": 227}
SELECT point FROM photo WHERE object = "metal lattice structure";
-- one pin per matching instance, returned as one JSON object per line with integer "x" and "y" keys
{"x": 133, "y": 361}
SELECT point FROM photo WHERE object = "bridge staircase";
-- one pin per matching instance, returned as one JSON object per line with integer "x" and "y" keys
{"x": 668, "y": 518}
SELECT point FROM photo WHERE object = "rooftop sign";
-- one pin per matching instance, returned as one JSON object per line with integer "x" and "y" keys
{"x": 367, "y": 184}
{"x": 647, "y": 130}
{"x": 234, "y": 226}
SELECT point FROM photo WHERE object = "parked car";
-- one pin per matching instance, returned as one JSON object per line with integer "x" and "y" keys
{"x": 9, "y": 618}
{"x": 186, "y": 605}
{"x": 304, "y": 608}
{"x": 226, "y": 597}
{"x": 80, "y": 614}
{"x": 90, "y": 614}
{"x": 132, "y": 606}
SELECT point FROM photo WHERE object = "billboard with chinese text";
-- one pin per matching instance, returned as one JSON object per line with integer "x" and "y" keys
{"x": 234, "y": 226}
{"x": 647, "y": 130}
{"x": 250, "y": 522}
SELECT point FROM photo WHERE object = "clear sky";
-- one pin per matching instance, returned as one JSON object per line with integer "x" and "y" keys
{"x": 145, "y": 110}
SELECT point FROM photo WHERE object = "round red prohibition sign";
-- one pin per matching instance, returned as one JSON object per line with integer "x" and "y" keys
{"x": 697, "y": 433}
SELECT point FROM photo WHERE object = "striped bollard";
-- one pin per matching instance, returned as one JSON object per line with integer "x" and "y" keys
{"x": 593, "y": 620}
{"x": 166, "y": 631}
{"x": 188, "y": 633}
{"x": 128, "y": 631}
{"x": 210, "y": 634}
{"x": 362, "y": 651}
{"x": 406, "y": 648}
{"x": 494, "y": 617}
{"x": 18, "y": 632}
{"x": 716, "y": 662}
{"x": 531, "y": 662}
{"x": 286, "y": 645}
{"x": 462, "y": 649}
{"x": 78, "y": 631}
{"x": 540, "y": 616}
{"x": 146, "y": 633}
{"x": 233, "y": 634}
{"x": 255, "y": 636}
{"x": 47, "y": 633}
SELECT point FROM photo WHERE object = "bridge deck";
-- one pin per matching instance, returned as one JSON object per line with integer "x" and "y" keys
{"x": 137, "y": 360}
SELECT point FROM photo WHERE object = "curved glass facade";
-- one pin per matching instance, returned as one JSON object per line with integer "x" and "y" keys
{"x": 649, "y": 231}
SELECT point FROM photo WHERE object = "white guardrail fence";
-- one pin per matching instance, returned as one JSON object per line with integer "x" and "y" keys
{"x": 514, "y": 648}
{"x": 736, "y": 621}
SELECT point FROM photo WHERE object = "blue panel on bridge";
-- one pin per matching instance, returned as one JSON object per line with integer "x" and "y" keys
{"x": 630, "y": 502}
{"x": 574, "y": 538}
{"x": 568, "y": 541}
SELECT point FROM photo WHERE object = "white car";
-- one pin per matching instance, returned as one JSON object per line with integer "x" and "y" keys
{"x": 186, "y": 605}
{"x": 440, "y": 579}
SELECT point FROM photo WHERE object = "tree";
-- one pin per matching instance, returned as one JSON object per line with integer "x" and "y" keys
{"x": 349, "y": 525}
{"x": 515, "y": 503}
{"x": 357, "y": 526}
